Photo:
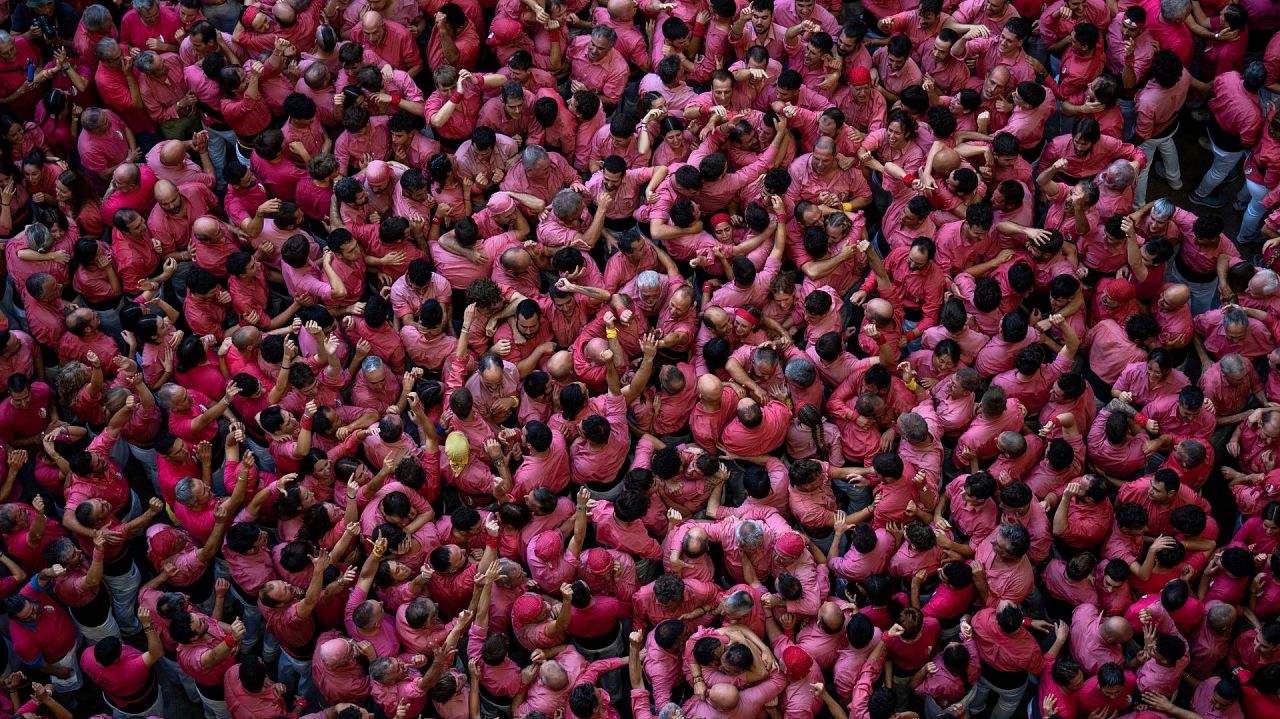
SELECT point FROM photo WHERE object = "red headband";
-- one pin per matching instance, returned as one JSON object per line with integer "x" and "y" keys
{"x": 746, "y": 316}
{"x": 246, "y": 18}
{"x": 719, "y": 218}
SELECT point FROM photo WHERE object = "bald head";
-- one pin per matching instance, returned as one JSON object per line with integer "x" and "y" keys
{"x": 723, "y": 697}
{"x": 316, "y": 75}
{"x": 880, "y": 309}
{"x": 206, "y": 228}
{"x": 946, "y": 161}
{"x": 560, "y": 366}
{"x": 715, "y": 317}
{"x": 695, "y": 542}
{"x": 371, "y": 21}
{"x": 284, "y": 13}
{"x": 554, "y": 676}
{"x": 126, "y": 175}
{"x": 1175, "y": 296}
{"x": 1264, "y": 283}
{"x": 709, "y": 388}
{"x": 1115, "y": 630}
{"x": 172, "y": 153}
{"x": 516, "y": 259}
{"x": 166, "y": 191}
{"x": 621, "y": 9}
{"x": 246, "y": 338}
{"x": 831, "y": 617}
{"x": 378, "y": 171}
{"x": 594, "y": 347}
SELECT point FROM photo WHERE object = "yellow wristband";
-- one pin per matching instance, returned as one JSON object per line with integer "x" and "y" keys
{"x": 610, "y": 333}
{"x": 846, "y": 206}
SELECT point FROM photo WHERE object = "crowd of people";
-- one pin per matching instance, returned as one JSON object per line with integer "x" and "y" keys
{"x": 682, "y": 359}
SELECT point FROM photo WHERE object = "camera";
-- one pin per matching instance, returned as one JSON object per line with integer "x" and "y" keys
{"x": 46, "y": 26}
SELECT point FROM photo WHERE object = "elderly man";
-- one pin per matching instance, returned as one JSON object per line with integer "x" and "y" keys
{"x": 193, "y": 416}
{"x": 597, "y": 66}
{"x": 1232, "y": 329}
{"x": 165, "y": 96}
{"x": 390, "y": 41}
{"x": 85, "y": 342}
{"x": 1097, "y": 639}
{"x": 133, "y": 187}
{"x": 170, "y": 161}
{"x": 540, "y": 174}
{"x": 1229, "y": 384}
{"x": 177, "y": 207}
{"x": 105, "y": 141}
{"x": 119, "y": 86}
{"x": 16, "y": 52}
{"x": 818, "y": 178}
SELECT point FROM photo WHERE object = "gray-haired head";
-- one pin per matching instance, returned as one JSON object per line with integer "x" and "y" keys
{"x": 1119, "y": 174}
{"x": 671, "y": 710}
{"x": 107, "y": 49}
{"x": 1221, "y": 616}
{"x": 1233, "y": 365}
{"x": 1162, "y": 209}
{"x": 913, "y": 427}
{"x": 380, "y": 669}
{"x": 801, "y": 372}
{"x": 749, "y": 534}
{"x": 38, "y": 237}
{"x": 1264, "y": 282}
{"x": 532, "y": 155}
{"x": 96, "y": 18}
{"x": 92, "y": 118}
{"x": 371, "y": 364}
{"x": 604, "y": 33}
{"x": 148, "y": 62}
{"x": 648, "y": 280}
{"x": 566, "y": 205}
{"x": 185, "y": 491}
{"x": 167, "y": 394}
{"x": 739, "y": 603}
{"x": 141, "y": 5}
{"x": 5, "y": 38}
{"x": 1234, "y": 317}
{"x": 1174, "y": 10}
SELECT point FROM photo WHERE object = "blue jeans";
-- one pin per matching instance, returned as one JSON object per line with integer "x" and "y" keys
{"x": 253, "y": 628}
{"x": 1223, "y": 163}
{"x": 124, "y": 599}
{"x": 1007, "y": 700}
{"x": 221, "y": 144}
{"x": 295, "y": 674}
{"x": 1254, "y": 213}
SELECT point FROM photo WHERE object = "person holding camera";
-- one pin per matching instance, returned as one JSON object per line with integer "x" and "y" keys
{"x": 50, "y": 24}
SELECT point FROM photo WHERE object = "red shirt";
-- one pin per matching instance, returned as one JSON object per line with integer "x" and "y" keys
{"x": 51, "y": 636}
{"x": 125, "y": 680}
{"x": 1016, "y": 652}
{"x": 22, "y": 423}
{"x": 189, "y": 656}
